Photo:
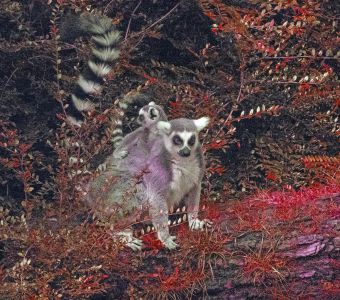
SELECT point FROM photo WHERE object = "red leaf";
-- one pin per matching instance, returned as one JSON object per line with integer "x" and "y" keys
{"x": 150, "y": 79}
{"x": 152, "y": 242}
{"x": 174, "y": 104}
{"x": 216, "y": 145}
{"x": 210, "y": 15}
{"x": 271, "y": 176}
{"x": 23, "y": 148}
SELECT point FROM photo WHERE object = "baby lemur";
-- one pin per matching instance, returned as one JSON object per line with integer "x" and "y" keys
{"x": 148, "y": 116}
{"x": 141, "y": 138}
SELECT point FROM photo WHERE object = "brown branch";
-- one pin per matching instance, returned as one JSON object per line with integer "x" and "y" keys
{"x": 133, "y": 13}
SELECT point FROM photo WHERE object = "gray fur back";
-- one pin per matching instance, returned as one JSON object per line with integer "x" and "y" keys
{"x": 126, "y": 184}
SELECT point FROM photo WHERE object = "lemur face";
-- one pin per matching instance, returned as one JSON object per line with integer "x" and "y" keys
{"x": 183, "y": 142}
{"x": 181, "y": 135}
{"x": 149, "y": 115}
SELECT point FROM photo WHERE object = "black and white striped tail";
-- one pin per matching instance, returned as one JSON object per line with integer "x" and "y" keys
{"x": 90, "y": 82}
{"x": 123, "y": 104}
{"x": 116, "y": 129}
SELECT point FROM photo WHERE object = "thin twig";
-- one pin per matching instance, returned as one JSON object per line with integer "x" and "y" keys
{"x": 133, "y": 13}
{"x": 235, "y": 105}
{"x": 106, "y": 7}
{"x": 143, "y": 32}
{"x": 292, "y": 82}
{"x": 8, "y": 80}
{"x": 165, "y": 16}
{"x": 296, "y": 57}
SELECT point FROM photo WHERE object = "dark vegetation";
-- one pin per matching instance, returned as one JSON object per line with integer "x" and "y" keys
{"x": 265, "y": 72}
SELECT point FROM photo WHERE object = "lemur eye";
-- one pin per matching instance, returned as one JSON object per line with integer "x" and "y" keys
{"x": 192, "y": 141}
{"x": 153, "y": 113}
{"x": 177, "y": 140}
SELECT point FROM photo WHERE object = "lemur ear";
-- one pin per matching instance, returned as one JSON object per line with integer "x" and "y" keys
{"x": 152, "y": 103}
{"x": 201, "y": 123}
{"x": 164, "y": 127}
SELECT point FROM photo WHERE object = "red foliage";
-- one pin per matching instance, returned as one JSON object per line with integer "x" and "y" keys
{"x": 325, "y": 168}
{"x": 176, "y": 108}
{"x": 177, "y": 281}
{"x": 211, "y": 211}
{"x": 18, "y": 157}
{"x": 216, "y": 169}
{"x": 258, "y": 267}
{"x": 271, "y": 176}
{"x": 274, "y": 207}
{"x": 331, "y": 288}
{"x": 218, "y": 144}
{"x": 151, "y": 242}
{"x": 151, "y": 80}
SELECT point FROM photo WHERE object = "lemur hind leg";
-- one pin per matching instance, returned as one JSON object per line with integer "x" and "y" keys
{"x": 115, "y": 199}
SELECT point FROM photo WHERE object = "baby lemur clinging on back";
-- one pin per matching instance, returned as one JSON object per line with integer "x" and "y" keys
{"x": 142, "y": 137}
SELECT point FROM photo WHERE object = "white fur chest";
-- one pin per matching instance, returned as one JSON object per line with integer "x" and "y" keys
{"x": 184, "y": 177}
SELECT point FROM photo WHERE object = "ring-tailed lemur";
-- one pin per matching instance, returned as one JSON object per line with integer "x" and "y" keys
{"x": 103, "y": 54}
{"x": 171, "y": 171}
{"x": 187, "y": 166}
{"x": 148, "y": 117}
{"x": 141, "y": 138}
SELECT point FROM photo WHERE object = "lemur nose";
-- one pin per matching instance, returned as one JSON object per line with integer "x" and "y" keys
{"x": 185, "y": 152}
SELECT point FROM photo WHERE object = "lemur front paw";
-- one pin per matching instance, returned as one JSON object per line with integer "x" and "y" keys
{"x": 197, "y": 224}
{"x": 129, "y": 240}
{"x": 169, "y": 242}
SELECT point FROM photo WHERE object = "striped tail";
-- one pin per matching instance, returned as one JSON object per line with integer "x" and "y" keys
{"x": 90, "y": 82}
{"x": 117, "y": 121}
{"x": 115, "y": 130}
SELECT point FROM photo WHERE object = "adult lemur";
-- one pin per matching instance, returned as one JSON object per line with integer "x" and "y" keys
{"x": 171, "y": 171}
